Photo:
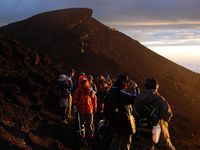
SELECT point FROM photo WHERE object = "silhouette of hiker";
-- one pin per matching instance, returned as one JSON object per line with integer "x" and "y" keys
{"x": 102, "y": 88}
{"x": 151, "y": 97}
{"x": 119, "y": 113}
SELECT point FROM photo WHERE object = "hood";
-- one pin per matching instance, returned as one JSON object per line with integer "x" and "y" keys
{"x": 81, "y": 78}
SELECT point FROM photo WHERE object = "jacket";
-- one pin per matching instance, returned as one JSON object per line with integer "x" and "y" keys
{"x": 149, "y": 95}
{"x": 85, "y": 101}
{"x": 118, "y": 111}
{"x": 164, "y": 109}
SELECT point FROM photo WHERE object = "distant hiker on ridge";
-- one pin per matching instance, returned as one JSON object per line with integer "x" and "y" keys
{"x": 152, "y": 116}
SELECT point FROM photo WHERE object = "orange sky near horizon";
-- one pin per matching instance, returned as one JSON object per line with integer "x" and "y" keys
{"x": 179, "y": 53}
{"x": 186, "y": 56}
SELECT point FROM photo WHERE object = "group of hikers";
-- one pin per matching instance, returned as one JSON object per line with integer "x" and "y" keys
{"x": 136, "y": 119}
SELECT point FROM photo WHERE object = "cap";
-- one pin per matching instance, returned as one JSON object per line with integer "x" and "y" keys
{"x": 62, "y": 77}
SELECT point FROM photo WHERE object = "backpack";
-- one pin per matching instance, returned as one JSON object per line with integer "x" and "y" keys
{"x": 103, "y": 130}
{"x": 120, "y": 116}
{"x": 146, "y": 116}
{"x": 111, "y": 109}
{"x": 61, "y": 90}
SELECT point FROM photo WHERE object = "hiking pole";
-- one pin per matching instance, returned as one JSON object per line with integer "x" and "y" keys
{"x": 79, "y": 123}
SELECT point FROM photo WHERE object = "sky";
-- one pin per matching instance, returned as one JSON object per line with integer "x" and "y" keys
{"x": 168, "y": 27}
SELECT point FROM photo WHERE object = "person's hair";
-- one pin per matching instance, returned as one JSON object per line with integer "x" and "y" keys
{"x": 70, "y": 71}
{"x": 121, "y": 79}
{"x": 151, "y": 84}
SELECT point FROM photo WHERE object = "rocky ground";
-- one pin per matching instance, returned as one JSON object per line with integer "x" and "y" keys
{"x": 25, "y": 82}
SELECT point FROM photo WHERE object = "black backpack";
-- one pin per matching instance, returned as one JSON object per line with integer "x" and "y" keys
{"x": 103, "y": 130}
{"x": 111, "y": 107}
{"x": 62, "y": 90}
{"x": 146, "y": 116}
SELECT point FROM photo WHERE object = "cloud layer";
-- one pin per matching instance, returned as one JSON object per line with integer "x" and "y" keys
{"x": 107, "y": 10}
{"x": 163, "y": 35}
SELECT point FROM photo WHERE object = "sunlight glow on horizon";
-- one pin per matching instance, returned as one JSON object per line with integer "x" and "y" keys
{"x": 152, "y": 23}
{"x": 179, "y": 43}
{"x": 187, "y": 56}
{"x": 177, "y": 53}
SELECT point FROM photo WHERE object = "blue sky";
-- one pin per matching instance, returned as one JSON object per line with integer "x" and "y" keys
{"x": 165, "y": 26}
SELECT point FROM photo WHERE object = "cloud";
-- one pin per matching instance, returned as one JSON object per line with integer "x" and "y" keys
{"x": 159, "y": 35}
{"x": 107, "y": 10}
{"x": 151, "y": 10}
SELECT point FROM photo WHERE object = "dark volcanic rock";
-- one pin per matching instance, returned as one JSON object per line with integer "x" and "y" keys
{"x": 24, "y": 88}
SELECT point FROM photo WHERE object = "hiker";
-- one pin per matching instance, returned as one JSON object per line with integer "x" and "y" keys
{"x": 92, "y": 84}
{"x": 70, "y": 79}
{"x": 161, "y": 114}
{"x": 85, "y": 105}
{"x": 135, "y": 86}
{"x": 102, "y": 88}
{"x": 81, "y": 76}
{"x": 108, "y": 81}
{"x": 119, "y": 113}
{"x": 65, "y": 97}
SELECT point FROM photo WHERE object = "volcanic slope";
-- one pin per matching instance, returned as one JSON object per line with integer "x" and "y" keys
{"x": 74, "y": 38}
{"x": 26, "y": 79}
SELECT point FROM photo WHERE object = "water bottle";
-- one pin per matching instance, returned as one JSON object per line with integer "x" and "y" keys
{"x": 156, "y": 133}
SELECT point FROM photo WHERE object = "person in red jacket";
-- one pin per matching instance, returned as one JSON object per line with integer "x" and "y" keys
{"x": 84, "y": 101}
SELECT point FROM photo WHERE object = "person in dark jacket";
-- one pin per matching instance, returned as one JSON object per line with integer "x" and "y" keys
{"x": 151, "y": 95}
{"x": 70, "y": 79}
{"x": 102, "y": 91}
{"x": 118, "y": 111}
